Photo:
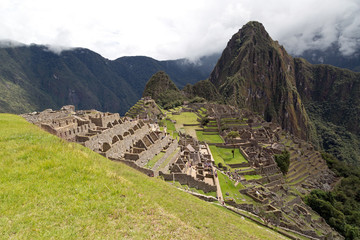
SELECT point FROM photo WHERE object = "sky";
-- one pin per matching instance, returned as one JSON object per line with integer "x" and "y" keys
{"x": 172, "y": 29}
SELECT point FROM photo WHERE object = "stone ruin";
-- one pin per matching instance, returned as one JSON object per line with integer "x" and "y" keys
{"x": 194, "y": 166}
{"x": 134, "y": 142}
{"x": 258, "y": 142}
{"x": 131, "y": 141}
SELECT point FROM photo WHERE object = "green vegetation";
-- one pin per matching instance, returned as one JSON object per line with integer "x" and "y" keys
{"x": 335, "y": 140}
{"x": 52, "y": 189}
{"x": 341, "y": 207}
{"x": 252, "y": 177}
{"x": 170, "y": 128}
{"x": 283, "y": 161}
{"x": 185, "y": 118}
{"x": 204, "y": 121}
{"x": 204, "y": 89}
{"x": 154, "y": 160}
{"x": 225, "y": 155}
{"x": 210, "y": 138}
{"x": 203, "y": 112}
{"x": 167, "y": 160}
{"x": 233, "y": 134}
{"x": 228, "y": 186}
{"x": 163, "y": 91}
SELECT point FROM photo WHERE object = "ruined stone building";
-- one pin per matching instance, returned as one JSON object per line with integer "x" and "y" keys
{"x": 118, "y": 138}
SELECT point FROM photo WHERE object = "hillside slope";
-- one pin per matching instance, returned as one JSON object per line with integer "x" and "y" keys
{"x": 54, "y": 189}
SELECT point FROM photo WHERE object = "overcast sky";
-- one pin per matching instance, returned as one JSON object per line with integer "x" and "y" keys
{"x": 171, "y": 29}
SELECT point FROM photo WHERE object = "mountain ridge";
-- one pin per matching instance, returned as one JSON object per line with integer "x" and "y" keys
{"x": 256, "y": 72}
{"x": 33, "y": 78}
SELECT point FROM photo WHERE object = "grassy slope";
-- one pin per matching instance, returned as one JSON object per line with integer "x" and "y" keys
{"x": 50, "y": 188}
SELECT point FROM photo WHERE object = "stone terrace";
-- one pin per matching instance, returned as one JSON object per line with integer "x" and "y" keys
{"x": 123, "y": 139}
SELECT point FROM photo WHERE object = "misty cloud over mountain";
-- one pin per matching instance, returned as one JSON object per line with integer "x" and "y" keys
{"x": 179, "y": 29}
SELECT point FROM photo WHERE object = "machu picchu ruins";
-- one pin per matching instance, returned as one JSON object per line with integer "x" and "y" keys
{"x": 178, "y": 156}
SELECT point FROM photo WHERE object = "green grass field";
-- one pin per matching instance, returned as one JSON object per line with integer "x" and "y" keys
{"x": 213, "y": 138}
{"x": 227, "y": 156}
{"x": 252, "y": 177}
{"x": 171, "y": 129}
{"x": 224, "y": 155}
{"x": 154, "y": 160}
{"x": 185, "y": 117}
{"x": 228, "y": 186}
{"x": 52, "y": 189}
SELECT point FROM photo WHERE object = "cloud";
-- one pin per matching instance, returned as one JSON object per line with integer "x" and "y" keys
{"x": 176, "y": 29}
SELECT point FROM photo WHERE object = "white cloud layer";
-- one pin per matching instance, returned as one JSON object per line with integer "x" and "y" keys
{"x": 176, "y": 29}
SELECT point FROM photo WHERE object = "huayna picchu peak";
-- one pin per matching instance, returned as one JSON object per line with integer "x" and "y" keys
{"x": 255, "y": 72}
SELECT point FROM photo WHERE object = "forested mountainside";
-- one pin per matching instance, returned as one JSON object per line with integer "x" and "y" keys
{"x": 33, "y": 78}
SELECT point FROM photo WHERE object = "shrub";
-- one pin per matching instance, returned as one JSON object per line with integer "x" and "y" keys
{"x": 204, "y": 121}
{"x": 283, "y": 161}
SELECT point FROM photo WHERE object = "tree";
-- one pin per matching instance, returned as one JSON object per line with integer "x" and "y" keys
{"x": 232, "y": 135}
{"x": 204, "y": 121}
{"x": 283, "y": 161}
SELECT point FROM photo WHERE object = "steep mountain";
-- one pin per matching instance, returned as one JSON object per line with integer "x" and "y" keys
{"x": 33, "y": 78}
{"x": 138, "y": 69}
{"x": 163, "y": 90}
{"x": 255, "y": 72}
{"x": 315, "y": 102}
{"x": 204, "y": 89}
{"x": 332, "y": 99}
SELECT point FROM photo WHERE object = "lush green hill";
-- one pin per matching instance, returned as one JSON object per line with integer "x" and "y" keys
{"x": 52, "y": 189}
{"x": 32, "y": 78}
{"x": 163, "y": 90}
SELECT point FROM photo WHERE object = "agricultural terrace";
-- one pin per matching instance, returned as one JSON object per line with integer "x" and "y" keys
{"x": 184, "y": 118}
{"x": 209, "y": 137}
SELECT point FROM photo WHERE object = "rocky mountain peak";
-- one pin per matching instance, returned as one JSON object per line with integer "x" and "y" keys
{"x": 255, "y": 72}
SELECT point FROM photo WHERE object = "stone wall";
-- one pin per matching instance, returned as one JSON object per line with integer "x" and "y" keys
{"x": 239, "y": 165}
{"x": 132, "y": 164}
{"x": 185, "y": 179}
{"x": 152, "y": 151}
{"x": 168, "y": 152}
{"x": 108, "y": 134}
{"x": 119, "y": 147}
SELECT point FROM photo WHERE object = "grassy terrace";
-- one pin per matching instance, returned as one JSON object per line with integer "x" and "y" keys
{"x": 171, "y": 128}
{"x": 154, "y": 160}
{"x": 185, "y": 118}
{"x": 224, "y": 155}
{"x": 228, "y": 186}
{"x": 167, "y": 160}
{"x": 52, "y": 189}
{"x": 202, "y": 111}
{"x": 210, "y": 138}
{"x": 252, "y": 177}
